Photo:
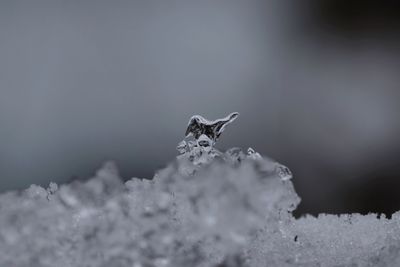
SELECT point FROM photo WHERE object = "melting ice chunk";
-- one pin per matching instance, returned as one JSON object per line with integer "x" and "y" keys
{"x": 199, "y": 126}
{"x": 206, "y": 133}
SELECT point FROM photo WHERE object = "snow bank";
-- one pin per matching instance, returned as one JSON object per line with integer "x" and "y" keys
{"x": 230, "y": 210}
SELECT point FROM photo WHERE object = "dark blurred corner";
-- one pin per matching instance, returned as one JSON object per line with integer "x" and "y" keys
{"x": 316, "y": 83}
{"x": 369, "y": 32}
{"x": 356, "y": 17}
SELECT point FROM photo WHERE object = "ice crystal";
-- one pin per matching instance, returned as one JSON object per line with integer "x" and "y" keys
{"x": 207, "y": 132}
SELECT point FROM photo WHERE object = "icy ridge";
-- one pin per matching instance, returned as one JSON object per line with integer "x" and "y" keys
{"x": 234, "y": 209}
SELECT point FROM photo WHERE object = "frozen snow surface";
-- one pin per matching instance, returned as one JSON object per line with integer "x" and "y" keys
{"x": 207, "y": 208}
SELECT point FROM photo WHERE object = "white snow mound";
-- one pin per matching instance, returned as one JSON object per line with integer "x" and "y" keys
{"x": 234, "y": 210}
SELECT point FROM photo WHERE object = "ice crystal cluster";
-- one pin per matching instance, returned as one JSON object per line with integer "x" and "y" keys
{"x": 207, "y": 208}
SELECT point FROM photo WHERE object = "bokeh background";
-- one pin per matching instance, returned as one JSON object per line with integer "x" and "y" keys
{"x": 316, "y": 84}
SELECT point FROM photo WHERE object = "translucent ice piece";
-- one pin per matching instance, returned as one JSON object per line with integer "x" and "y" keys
{"x": 198, "y": 126}
{"x": 251, "y": 153}
{"x": 284, "y": 172}
{"x": 205, "y": 132}
{"x": 182, "y": 147}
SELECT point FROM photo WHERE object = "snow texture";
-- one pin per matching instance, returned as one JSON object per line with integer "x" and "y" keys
{"x": 228, "y": 210}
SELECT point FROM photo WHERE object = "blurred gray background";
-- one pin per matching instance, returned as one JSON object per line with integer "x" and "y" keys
{"x": 316, "y": 84}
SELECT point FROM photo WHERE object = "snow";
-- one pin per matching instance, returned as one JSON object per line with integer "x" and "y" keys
{"x": 204, "y": 209}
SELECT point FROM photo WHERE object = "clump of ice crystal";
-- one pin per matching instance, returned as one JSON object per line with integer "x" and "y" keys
{"x": 206, "y": 133}
{"x": 206, "y": 209}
